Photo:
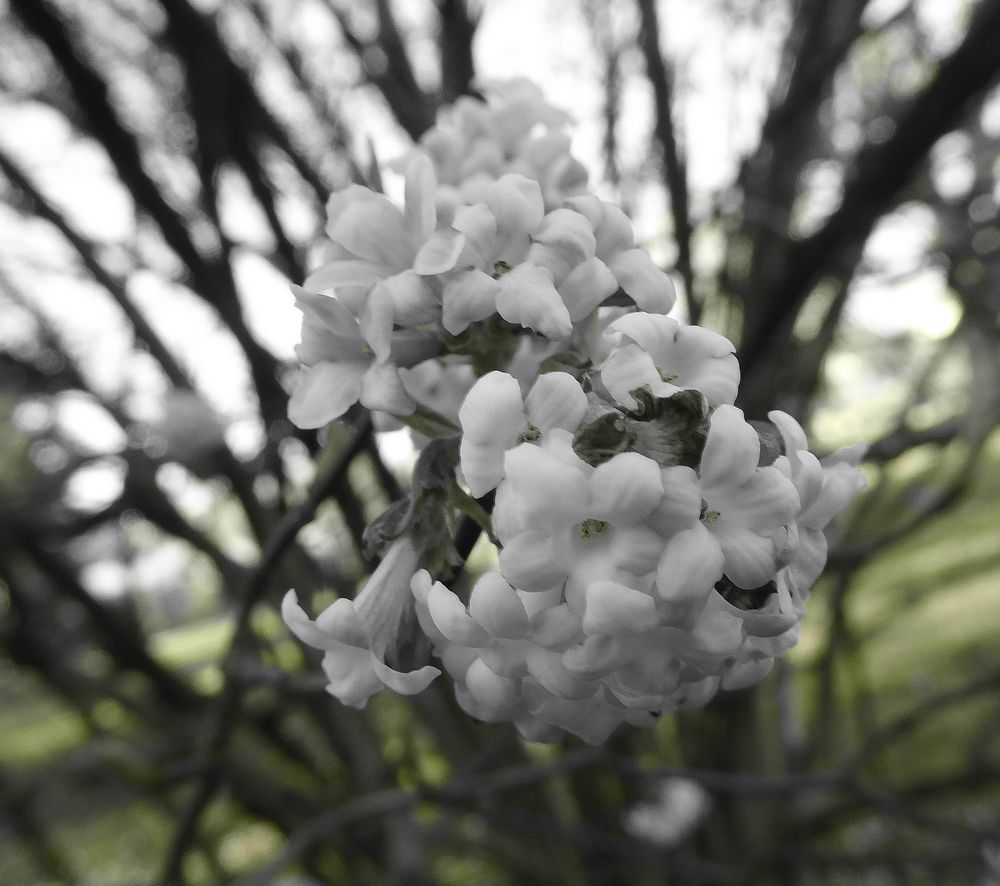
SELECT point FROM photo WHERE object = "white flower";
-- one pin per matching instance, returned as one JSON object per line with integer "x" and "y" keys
{"x": 344, "y": 368}
{"x": 668, "y": 357}
{"x": 357, "y": 635}
{"x": 633, "y": 269}
{"x": 494, "y": 418}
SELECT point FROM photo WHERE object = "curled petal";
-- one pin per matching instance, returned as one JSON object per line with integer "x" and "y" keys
{"x": 625, "y": 489}
{"x": 841, "y": 482}
{"x": 339, "y": 627}
{"x": 791, "y": 431}
{"x": 649, "y": 287}
{"x": 556, "y": 400}
{"x": 654, "y": 333}
{"x": 747, "y": 672}
{"x": 325, "y": 392}
{"x": 408, "y": 683}
{"x": 614, "y": 608}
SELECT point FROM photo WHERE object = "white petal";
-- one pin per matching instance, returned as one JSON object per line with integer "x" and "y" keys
{"x": 421, "y": 186}
{"x": 528, "y": 297}
{"x": 732, "y": 449}
{"x": 614, "y": 608}
{"x": 534, "y": 561}
{"x": 410, "y": 683}
{"x": 413, "y": 301}
{"x": 596, "y": 657}
{"x": 680, "y": 506}
{"x": 691, "y": 564}
{"x": 556, "y": 627}
{"x": 452, "y": 620}
{"x": 751, "y": 558}
{"x": 556, "y": 400}
{"x": 547, "y": 668}
{"x": 654, "y": 333}
{"x": 467, "y": 297}
{"x": 614, "y": 232}
{"x": 496, "y": 606}
{"x": 516, "y": 203}
{"x": 325, "y": 392}
{"x": 497, "y": 698}
{"x": 570, "y": 233}
{"x": 650, "y": 288}
{"x": 307, "y": 630}
{"x": 549, "y": 493}
{"x": 382, "y": 389}
{"x": 585, "y": 287}
{"x": 440, "y": 253}
{"x": 629, "y": 368}
{"x": 377, "y": 320}
{"x": 493, "y": 411}
{"x": 625, "y": 489}
{"x": 373, "y": 230}
{"x": 352, "y": 676}
{"x": 764, "y": 502}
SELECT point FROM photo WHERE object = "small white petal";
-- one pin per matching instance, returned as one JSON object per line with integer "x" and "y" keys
{"x": 440, "y": 253}
{"x": 649, "y": 287}
{"x": 325, "y": 392}
{"x": 382, "y": 389}
{"x": 534, "y": 561}
{"x": 376, "y": 320}
{"x": 451, "y": 618}
{"x": 528, "y": 297}
{"x": 731, "y": 451}
{"x": 373, "y": 230}
{"x": 625, "y": 489}
{"x": 420, "y": 189}
{"x": 556, "y": 400}
{"x": 691, "y": 564}
{"x": 585, "y": 287}
{"x": 549, "y": 493}
{"x": 467, "y": 297}
{"x": 497, "y": 607}
{"x": 614, "y": 608}
{"x": 629, "y": 368}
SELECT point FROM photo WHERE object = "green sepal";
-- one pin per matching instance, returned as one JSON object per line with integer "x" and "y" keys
{"x": 566, "y": 361}
{"x": 428, "y": 513}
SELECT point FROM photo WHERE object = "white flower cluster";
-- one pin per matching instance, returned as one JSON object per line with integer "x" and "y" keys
{"x": 652, "y": 551}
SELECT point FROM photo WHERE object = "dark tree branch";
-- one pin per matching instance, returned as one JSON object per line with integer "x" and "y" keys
{"x": 675, "y": 176}
{"x": 880, "y": 172}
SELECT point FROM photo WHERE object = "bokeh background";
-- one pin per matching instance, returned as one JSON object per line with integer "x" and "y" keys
{"x": 822, "y": 178}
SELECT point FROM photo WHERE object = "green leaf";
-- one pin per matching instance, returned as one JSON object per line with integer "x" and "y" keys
{"x": 491, "y": 344}
{"x": 603, "y": 438}
{"x": 772, "y": 444}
